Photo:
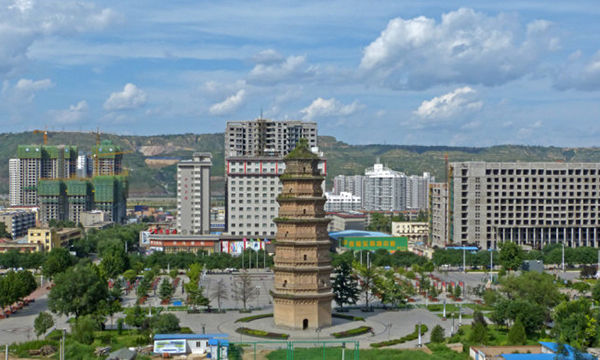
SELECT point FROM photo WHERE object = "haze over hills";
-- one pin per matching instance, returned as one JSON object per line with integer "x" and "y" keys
{"x": 152, "y": 169}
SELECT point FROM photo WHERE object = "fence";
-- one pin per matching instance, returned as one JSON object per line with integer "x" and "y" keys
{"x": 296, "y": 350}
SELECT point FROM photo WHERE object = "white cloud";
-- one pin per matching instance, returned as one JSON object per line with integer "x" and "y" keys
{"x": 74, "y": 114}
{"x": 464, "y": 47}
{"x": 230, "y": 104}
{"x": 24, "y": 22}
{"x": 527, "y": 131}
{"x": 130, "y": 98}
{"x": 273, "y": 69}
{"x": 458, "y": 102}
{"x": 329, "y": 108}
{"x": 580, "y": 73}
{"x": 25, "y": 89}
{"x": 268, "y": 56}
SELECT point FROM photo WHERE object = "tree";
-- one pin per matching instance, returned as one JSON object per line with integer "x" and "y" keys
{"x": 220, "y": 293}
{"x": 82, "y": 330}
{"x": 165, "y": 323}
{"x": 135, "y": 316}
{"x": 173, "y": 273}
{"x": 15, "y": 285}
{"x": 457, "y": 291}
{"x": 535, "y": 288}
{"x": 575, "y": 323}
{"x": 196, "y": 295}
{"x": 42, "y": 323}
{"x": 114, "y": 263}
{"x": 243, "y": 289}
{"x": 166, "y": 290}
{"x": 345, "y": 286}
{"x": 379, "y": 222}
{"x": 130, "y": 275}
{"x": 479, "y": 334}
{"x": 596, "y": 291}
{"x": 437, "y": 334}
{"x": 581, "y": 287}
{"x": 3, "y": 232}
{"x": 389, "y": 289}
{"x": 80, "y": 290}
{"x": 511, "y": 256}
{"x": 478, "y": 318}
{"x": 367, "y": 276}
{"x": 516, "y": 334}
{"x": 422, "y": 216}
{"x": 57, "y": 261}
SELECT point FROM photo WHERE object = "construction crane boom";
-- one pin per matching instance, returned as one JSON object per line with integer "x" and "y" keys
{"x": 45, "y": 135}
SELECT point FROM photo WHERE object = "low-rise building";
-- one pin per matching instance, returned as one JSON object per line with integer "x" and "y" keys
{"x": 171, "y": 243}
{"x": 414, "y": 231}
{"x": 7, "y": 245}
{"x": 343, "y": 201}
{"x": 215, "y": 346}
{"x": 17, "y": 222}
{"x": 341, "y": 221}
{"x": 543, "y": 351}
{"x": 50, "y": 238}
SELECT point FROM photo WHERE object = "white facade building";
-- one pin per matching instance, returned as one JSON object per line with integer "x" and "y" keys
{"x": 14, "y": 181}
{"x": 343, "y": 201}
{"x": 193, "y": 195}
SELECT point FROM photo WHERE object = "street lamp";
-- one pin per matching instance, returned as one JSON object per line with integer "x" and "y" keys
{"x": 318, "y": 331}
{"x": 389, "y": 326}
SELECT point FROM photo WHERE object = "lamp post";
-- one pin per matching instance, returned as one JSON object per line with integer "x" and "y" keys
{"x": 420, "y": 344}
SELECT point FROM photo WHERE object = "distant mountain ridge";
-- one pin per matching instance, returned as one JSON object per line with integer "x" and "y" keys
{"x": 152, "y": 169}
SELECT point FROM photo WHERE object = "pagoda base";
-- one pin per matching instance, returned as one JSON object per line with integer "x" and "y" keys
{"x": 302, "y": 314}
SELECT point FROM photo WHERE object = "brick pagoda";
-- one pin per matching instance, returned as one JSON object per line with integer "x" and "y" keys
{"x": 302, "y": 291}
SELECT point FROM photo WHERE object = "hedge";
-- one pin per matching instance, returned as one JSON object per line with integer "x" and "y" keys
{"x": 254, "y": 317}
{"x": 352, "y": 332}
{"x": 412, "y": 336}
{"x": 347, "y": 317}
{"x": 261, "y": 333}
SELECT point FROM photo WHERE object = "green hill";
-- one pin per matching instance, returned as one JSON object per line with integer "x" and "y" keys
{"x": 150, "y": 174}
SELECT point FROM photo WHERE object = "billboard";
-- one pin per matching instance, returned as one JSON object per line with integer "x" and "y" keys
{"x": 237, "y": 247}
{"x": 391, "y": 243}
{"x": 169, "y": 346}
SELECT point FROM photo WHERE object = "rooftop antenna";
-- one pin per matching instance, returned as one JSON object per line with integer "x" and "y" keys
{"x": 261, "y": 112}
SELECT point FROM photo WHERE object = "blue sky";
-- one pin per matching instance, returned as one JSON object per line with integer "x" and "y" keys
{"x": 473, "y": 73}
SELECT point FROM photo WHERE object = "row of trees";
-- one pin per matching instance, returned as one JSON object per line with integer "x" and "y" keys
{"x": 353, "y": 280}
{"x": 514, "y": 257}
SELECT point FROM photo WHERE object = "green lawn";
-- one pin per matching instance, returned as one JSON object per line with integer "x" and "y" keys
{"x": 368, "y": 354}
{"x": 497, "y": 336}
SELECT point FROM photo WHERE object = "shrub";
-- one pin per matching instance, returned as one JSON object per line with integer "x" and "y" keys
{"x": 22, "y": 349}
{"x": 165, "y": 323}
{"x": 412, "y": 336}
{"x": 437, "y": 334}
{"x": 75, "y": 350}
{"x": 186, "y": 330}
{"x": 83, "y": 329}
{"x": 352, "y": 332}
{"x": 516, "y": 335}
{"x": 254, "y": 317}
{"x": 347, "y": 317}
{"x": 261, "y": 333}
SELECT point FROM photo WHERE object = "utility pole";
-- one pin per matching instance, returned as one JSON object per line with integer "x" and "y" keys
{"x": 491, "y": 265}
{"x": 563, "y": 257}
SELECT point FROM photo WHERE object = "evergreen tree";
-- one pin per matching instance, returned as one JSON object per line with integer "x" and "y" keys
{"x": 479, "y": 334}
{"x": 166, "y": 290}
{"x": 345, "y": 286}
{"x": 437, "y": 334}
{"x": 457, "y": 291}
{"x": 516, "y": 335}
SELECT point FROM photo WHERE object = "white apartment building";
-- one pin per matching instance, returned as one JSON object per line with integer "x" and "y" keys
{"x": 262, "y": 137}
{"x": 385, "y": 189}
{"x": 533, "y": 204}
{"x": 343, "y": 201}
{"x": 193, "y": 195}
{"x": 417, "y": 191}
{"x": 353, "y": 184}
{"x": 415, "y": 231}
{"x": 252, "y": 187}
{"x": 14, "y": 182}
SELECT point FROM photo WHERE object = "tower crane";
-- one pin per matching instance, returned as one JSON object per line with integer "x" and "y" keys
{"x": 45, "y": 132}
